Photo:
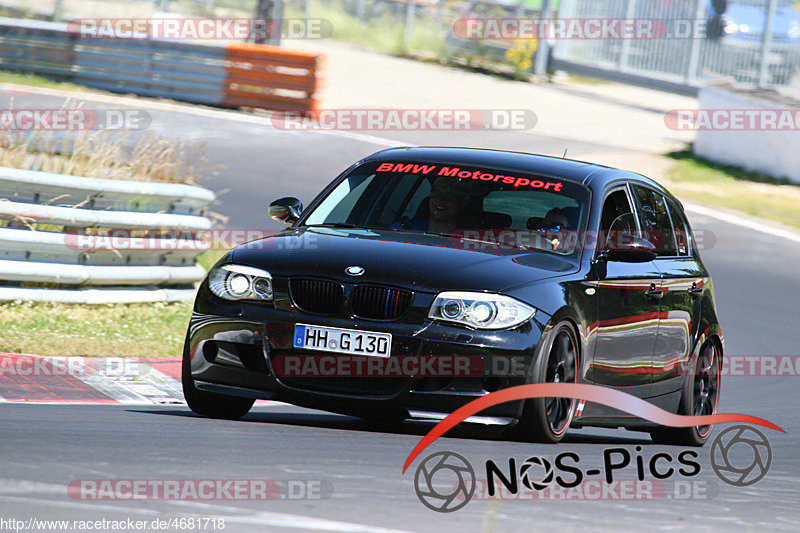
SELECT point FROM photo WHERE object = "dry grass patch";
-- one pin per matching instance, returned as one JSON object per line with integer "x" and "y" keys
{"x": 106, "y": 154}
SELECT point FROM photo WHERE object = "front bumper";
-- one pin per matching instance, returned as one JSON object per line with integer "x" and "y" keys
{"x": 232, "y": 348}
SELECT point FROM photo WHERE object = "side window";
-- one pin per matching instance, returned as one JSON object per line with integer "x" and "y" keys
{"x": 348, "y": 192}
{"x": 616, "y": 219}
{"x": 680, "y": 228}
{"x": 655, "y": 222}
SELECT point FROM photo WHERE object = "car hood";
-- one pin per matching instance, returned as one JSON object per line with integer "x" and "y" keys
{"x": 410, "y": 260}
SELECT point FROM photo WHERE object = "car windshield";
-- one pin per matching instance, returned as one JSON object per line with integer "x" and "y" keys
{"x": 509, "y": 209}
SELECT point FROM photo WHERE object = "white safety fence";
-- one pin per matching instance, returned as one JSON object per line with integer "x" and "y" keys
{"x": 756, "y": 43}
{"x": 54, "y": 247}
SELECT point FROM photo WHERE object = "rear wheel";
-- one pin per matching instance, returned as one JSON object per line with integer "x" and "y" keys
{"x": 699, "y": 397}
{"x": 207, "y": 403}
{"x": 547, "y": 419}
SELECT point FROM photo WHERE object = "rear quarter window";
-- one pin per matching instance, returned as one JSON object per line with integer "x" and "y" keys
{"x": 680, "y": 228}
{"x": 655, "y": 221}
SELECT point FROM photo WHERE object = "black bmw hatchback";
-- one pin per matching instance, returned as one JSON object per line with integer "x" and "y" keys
{"x": 423, "y": 278}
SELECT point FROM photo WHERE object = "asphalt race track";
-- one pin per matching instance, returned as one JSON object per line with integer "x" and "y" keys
{"x": 45, "y": 447}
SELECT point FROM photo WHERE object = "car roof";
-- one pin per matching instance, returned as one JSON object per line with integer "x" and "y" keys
{"x": 592, "y": 175}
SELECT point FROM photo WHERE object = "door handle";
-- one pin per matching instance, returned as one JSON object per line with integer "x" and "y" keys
{"x": 654, "y": 293}
{"x": 695, "y": 291}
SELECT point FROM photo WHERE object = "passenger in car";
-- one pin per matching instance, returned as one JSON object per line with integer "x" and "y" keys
{"x": 442, "y": 211}
{"x": 555, "y": 224}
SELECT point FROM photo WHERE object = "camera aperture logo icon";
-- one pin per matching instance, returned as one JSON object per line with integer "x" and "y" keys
{"x": 445, "y": 482}
{"x": 741, "y": 455}
{"x": 527, "y": 475}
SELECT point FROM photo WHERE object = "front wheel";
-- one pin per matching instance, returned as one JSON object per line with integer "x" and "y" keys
{"x": 547, "y": 419}
{"x": 699, "y": 397}
{"x": 207, "y": 403}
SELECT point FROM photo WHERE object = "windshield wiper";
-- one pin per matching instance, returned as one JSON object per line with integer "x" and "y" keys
{"x": 441, "y": 234}
{"x": 335, "y": 225}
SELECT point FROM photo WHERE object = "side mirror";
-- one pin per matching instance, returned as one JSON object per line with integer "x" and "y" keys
{"x": 286, "y": 210}
{"x": 630, "y": 249}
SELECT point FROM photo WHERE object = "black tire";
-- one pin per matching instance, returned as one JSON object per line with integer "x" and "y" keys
{"x": 699, "y": 397}
{"x": 207, "y": 403}
{"x": 547, "y": 419}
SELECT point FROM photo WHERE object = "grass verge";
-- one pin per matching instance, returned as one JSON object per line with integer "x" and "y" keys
{"x": 698, "y": 180}
{"x": 130, "y": 330}
{"x": 33, "y": 80}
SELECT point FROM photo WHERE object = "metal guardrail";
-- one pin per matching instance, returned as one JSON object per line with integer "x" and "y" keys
{"x": 229, "y": 75}
{"x": 76, "y": 266}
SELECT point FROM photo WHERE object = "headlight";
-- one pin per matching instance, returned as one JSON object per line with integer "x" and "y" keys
{"x": 239, "y": 282}
{"x": 480, "y": 311}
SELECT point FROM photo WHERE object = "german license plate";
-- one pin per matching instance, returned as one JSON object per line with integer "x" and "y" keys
{"x": 342, "y": 340}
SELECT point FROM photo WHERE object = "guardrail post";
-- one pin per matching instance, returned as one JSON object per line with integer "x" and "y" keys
{"x": 694, "y": 52}
{"x": 566, "y": 10}
{"x": 276, "y": 22}
{"x": 307, "y": 13}
{"x": 766, "y": 44}
{"x": 625, "y": 51}
{"x": 58, "y": 10}
{"x": 409, "y": 25}
{"x": 540, "y": 64}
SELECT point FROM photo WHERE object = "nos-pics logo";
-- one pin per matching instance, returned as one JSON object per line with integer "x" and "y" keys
{"x": 445, "y": 481}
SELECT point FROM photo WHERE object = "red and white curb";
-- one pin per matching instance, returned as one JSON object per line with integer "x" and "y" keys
{"x": 40, "y": 379}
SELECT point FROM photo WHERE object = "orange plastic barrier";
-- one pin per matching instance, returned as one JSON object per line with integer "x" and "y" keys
{"x": 271, "y": 77}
